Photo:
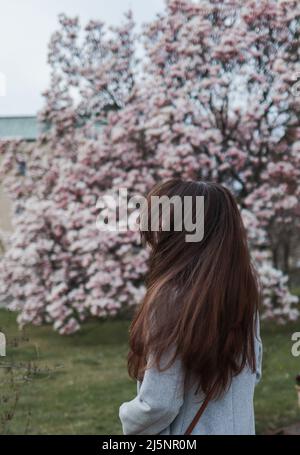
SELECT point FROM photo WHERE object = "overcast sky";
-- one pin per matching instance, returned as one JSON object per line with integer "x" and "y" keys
{"x": 25, "y": 29}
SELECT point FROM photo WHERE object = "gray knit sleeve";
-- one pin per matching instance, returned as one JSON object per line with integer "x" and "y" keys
{"x": 158, "y": 401}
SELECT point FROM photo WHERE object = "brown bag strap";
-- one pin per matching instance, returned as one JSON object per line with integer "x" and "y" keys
{"x": 200, "y": 411}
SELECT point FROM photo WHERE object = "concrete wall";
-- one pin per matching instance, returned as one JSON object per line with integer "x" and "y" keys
{"x": 5, "y": 209}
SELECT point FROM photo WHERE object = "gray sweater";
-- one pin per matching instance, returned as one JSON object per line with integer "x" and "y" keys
{"x": 166, "y": 404}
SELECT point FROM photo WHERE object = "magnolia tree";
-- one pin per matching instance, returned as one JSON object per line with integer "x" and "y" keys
{"x": 218, "y": 102}
{"x": 214, "y": 98}
{"x": 58, "y": 268}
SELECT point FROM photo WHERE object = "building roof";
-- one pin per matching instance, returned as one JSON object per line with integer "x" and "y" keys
{"x": 19, "y": 127}
{"x": 28, "y": 127}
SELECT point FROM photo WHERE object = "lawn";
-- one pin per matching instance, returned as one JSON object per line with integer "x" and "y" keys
{"x": 75, "y": 384}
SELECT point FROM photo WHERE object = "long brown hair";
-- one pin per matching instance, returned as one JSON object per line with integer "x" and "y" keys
{"x": 202, "y": 297}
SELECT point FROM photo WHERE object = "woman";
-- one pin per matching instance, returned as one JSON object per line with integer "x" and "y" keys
{"x": 195, "y": 346}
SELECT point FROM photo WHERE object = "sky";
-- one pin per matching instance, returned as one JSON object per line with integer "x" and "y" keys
{"x": 25, "y": 29}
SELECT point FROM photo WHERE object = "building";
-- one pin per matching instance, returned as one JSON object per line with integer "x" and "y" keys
{"x": 26, "y": 128}
{"x": 19, "y": 127}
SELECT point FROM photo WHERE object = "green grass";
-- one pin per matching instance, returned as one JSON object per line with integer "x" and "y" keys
{"x": 76, "y": 383}
{"x": 276, "y": 398}
{"x": 86, "y": 383}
